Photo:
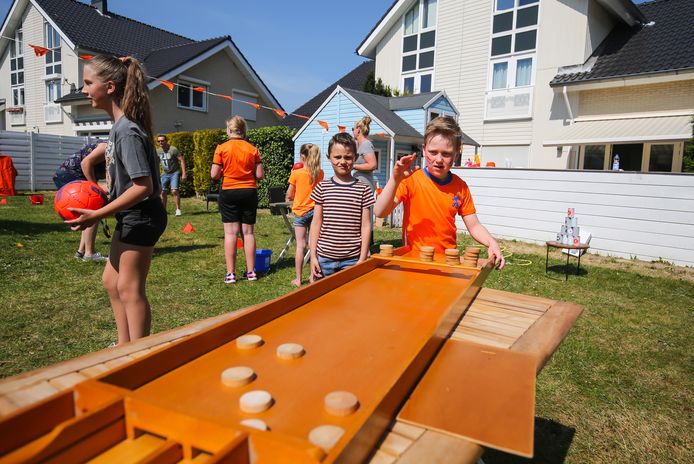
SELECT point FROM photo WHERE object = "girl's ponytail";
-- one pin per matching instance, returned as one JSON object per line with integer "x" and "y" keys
{"x": 313, "y": 162}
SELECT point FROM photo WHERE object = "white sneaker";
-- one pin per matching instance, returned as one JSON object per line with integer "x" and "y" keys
{"x": 96, "y": 257}
{"x": 178, "y": 212}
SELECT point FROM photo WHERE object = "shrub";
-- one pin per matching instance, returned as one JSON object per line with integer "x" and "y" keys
{"x": 184, "y": 142}
{"x": 205, "y": 141}
{"x": 277, "y": 151}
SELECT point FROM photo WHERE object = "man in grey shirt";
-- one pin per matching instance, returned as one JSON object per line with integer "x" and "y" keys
{"x": 173, "y": 171}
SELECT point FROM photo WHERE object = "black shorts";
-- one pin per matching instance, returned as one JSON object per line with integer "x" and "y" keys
{"x": 143, "y": 224}
{"x": 238, "y": 205}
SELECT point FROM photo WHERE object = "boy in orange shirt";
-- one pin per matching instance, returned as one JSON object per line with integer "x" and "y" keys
{"x": 301, "y": 183}
{"x": 433, "y": 196}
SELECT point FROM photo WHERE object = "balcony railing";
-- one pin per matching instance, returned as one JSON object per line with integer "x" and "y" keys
{"x": 52, "y": 113}
{"x": 514, "y": 103}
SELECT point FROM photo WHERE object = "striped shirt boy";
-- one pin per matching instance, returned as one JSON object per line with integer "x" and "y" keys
{"x": 343, "y": 204}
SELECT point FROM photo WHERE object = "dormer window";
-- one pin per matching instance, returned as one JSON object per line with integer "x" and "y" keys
{"x": 418, "y": 47}
{"x": 52, "y": 43}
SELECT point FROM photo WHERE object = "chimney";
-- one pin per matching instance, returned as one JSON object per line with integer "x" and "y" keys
{"x": 101, "y": 5}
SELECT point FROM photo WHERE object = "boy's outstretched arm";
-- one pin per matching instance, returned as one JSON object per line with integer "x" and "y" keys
{"x": 482, "y": 235}
{"x": 386, "y": 203}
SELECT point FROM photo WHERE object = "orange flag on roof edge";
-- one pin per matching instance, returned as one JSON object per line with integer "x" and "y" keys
{"x": 39, "y": 51}
{"x": 254, "y": 105}
{"x": 86, "y": 57}
{"x": 323, "y": 124}
{"x": 225, "y": 96}
{"x": 380, "y": 134}
{"x": 199, "y": 89}
{"x": 280, "y": 113}
{"x": 341, "y": 128}
{"x": 169, "y": 85}
{"x": 300, "y": 116}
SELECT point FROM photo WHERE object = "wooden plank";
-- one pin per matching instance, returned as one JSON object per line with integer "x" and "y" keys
{"x": 95, "y": 370}
{"x": 501, "y": 326}
{"x": 130, "y": 450}
{"x": 407, "y": 430}
{"x": 395, "y": 444}
{"x": 67, "y": 380}
{"x": 478, "y": 339}
{"x": 543, "y": 338}
{"x": 437, "y": 448}
{"x": 380, "y": 457}
{"x": 31, "y": 394}
{"x": 113, "y": 363}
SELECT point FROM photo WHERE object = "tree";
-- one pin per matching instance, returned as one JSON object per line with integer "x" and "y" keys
{"x": 376, "y": 86}
{"x": 688, "y": 159}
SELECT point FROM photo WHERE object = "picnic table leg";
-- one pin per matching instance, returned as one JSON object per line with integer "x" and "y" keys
{"x": 292, "y": 237}
{"x": 578, "y": 267}
{"x": 566, "y": 268}
{"x": 547, "y": 259}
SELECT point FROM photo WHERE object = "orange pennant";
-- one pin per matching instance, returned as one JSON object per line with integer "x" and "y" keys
{"x": 341, "y": 128}
{"x": 86, "y": 57}
{"x": 169, "y": 85}
{"x": 254, "y": 105}
{"x": 300, "y": 116}
{"x": 280, "y": 113}
{"x": 323, "y": 124}
{"x": 225, "y": 96}
{"x": 199, "y": 89}
{"x": 380, "y": 134}
{"x": 3, "y": 201}
{"x": 188, "y": 228}
{"x": 39, "y": 51}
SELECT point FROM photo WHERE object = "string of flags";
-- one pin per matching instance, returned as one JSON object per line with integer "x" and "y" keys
{"x": 41, "y": 51}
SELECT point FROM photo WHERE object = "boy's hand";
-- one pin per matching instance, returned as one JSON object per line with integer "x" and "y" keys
{"x": 403, "y": 168}
{"x": 495, "y": 255}
{"x": 88, "y": 217}
{"x": 315, "y": 268}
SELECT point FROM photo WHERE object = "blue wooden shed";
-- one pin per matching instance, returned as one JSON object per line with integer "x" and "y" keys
{"x": 397, "y": 123}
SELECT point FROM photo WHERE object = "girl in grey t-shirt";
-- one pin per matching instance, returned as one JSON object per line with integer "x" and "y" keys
{"x": 118, "y": 86}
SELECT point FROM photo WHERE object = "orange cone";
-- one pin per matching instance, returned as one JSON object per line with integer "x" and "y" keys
{"x": 188, "y": 228}
{"x": 3, "y": 201}
{"x": 239, "y": 243}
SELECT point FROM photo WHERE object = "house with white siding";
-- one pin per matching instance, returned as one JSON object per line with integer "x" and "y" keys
{"x": 397, "y": 124}
{"x": 551, "y": 84}
{"x": 42, "y": 93}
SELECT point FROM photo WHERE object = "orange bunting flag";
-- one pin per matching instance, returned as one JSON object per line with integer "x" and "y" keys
{"x": 323, "y": 124}
{"x": 169, "y": 85}
{"x": 280, "y": 113}
{"x": 254, "y": 105}
{"x": 86, "y": 57}
{"x": 341, "y": 128}
{"x": 199, "y": 89}
{"x": 39, "y": 51}
{"x": 225, "y": 96}
{"x": 300, "y": 116}
{"x": 380, "y": 134}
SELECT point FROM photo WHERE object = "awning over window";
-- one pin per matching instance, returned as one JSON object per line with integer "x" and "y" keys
{"x": 624, "y": 130}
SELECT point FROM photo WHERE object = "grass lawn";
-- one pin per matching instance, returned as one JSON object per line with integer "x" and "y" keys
{"x": 619, "y": 389}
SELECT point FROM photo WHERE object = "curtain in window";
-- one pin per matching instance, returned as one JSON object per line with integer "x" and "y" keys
{"x": 524, "y": 71}
{"x": 499, "y": 75}
{"x": 429, "y": 13}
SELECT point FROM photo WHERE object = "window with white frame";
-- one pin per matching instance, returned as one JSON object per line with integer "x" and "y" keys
{"x": 17, "y": 69}
{"x": 192, "y": 96}
{"x": 418, "y": 47}
{"x": 239, "y": 108}
{"x": 52, "y": 43}
{"x": 53, "y": 90}
{"x": 512, "y": 58}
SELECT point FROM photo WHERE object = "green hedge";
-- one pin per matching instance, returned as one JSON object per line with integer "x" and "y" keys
{"x": 184, "y": 142}
{"x": 274, "y": 143}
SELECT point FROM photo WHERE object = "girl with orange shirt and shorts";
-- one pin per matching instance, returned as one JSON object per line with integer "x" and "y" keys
{"x": 238, "y": 162}
{"x": 301, "y": 183}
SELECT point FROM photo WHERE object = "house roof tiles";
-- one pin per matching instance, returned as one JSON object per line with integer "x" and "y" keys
{"x": 662, "y": 45}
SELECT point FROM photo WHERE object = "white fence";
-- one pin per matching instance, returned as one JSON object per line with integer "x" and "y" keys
{"x": 630, "y": 215}
{"x": 37, "y": 156}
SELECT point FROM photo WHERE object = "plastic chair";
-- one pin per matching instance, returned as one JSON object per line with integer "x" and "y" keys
{"x": 213, "y": 191}
{"x": 584, "y": 238}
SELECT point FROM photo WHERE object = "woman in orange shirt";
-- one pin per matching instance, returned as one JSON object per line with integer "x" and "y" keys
{"x": 238, "y": 162}
{"x": 301, "y": 183}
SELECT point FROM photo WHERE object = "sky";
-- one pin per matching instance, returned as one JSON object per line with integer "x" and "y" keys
{"x": 298, "y": 47}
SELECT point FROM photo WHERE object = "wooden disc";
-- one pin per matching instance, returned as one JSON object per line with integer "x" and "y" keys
{"x": 325, "y": 436}
{"x": 341, "y": 403}
{"x": 290, "y": 351}
{"x": 452, "y": 252}
{"x": 255, "y": 424}
{"x": 237, "y": 376}
{"x": 247, "y": 342}
{"x": 255, "y": 401}
{"x": 472, "y": 250}
{"x": 386, "y": 247}
{"x": 427, "y": 249}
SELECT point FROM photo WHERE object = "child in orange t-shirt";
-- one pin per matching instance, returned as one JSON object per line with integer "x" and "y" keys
{"x": 433, "y": 196}
{"x": 301, "y": 183}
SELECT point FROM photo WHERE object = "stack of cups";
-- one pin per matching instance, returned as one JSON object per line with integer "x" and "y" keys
{"x": 452, "y": 256}
{"x": 426, "y": 253}
{"x": 386, "y": 250}
{"x": 471, "y": 256}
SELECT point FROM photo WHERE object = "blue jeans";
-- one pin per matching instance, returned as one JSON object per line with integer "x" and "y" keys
{"x": 170, "y": 180}
{"x": 330, "y": 266}
{"x": 303, "y": 221}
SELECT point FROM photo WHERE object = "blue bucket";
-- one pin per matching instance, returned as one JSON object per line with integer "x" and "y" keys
{"x": 262, "y": 260}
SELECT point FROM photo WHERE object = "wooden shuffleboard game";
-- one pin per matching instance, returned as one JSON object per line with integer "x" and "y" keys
{"x": 359, "y": 342}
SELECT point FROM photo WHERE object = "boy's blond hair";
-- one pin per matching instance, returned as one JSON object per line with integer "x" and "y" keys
{"x": 446, "y": 127}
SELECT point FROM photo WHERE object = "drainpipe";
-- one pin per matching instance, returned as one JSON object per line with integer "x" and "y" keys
{"x": 568, "y": 105}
